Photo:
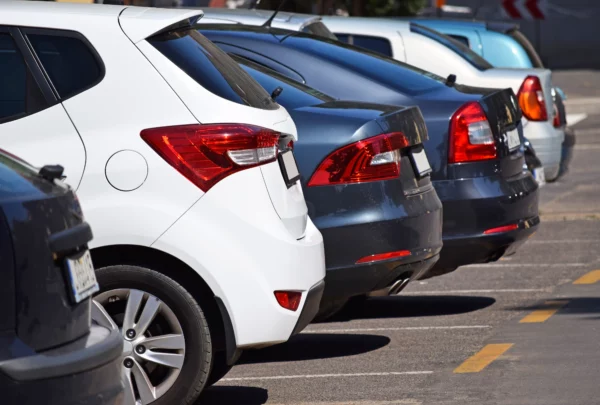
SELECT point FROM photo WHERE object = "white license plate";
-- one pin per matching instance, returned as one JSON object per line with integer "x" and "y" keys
{"x": 513, "y": 139}
{"x": 421, "y": 162}
{"x": 539, "y": 176}
{"x": 290, "y": 167}
{"x": 82, "y": 276}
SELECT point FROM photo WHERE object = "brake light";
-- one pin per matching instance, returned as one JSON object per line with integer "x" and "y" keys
{"x": 471, "y": 137}
{"x": 531, "y": 99}
{"x": 556, "y": 120}
{"x": 206, "y": 154}
{"x": 501, "y": 229}
{"x": 372, "y": 159}
{"x": 383, "y": 256}
{"x": 288, "y": 299}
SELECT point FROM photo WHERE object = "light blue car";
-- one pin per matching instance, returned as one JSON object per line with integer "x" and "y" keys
{"x": 504, "y": 46}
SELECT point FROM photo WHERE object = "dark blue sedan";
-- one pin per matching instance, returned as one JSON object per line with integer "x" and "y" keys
{"x": 490, "y": 203}
{"x": 366, "y": 181}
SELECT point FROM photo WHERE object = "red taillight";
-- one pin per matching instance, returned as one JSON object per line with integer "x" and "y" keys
{"x": 471, "y": 137}
{"x": 500, "y": 229}
{"x": 531, "y": 99}
{"x": 556, "y": 120}
{"x": 383, "y": 256}
{"x": 206, "y": 154}
{"x": 289, "y": 299}
{"x": 372, "y": 159}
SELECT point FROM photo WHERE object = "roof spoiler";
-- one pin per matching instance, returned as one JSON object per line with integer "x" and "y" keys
{"x": 141, "y": 23}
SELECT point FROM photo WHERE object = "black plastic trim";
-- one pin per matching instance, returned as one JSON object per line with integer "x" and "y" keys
{"x": 71, "y": 238}
{"x": 100, "y": 347}
{"x": 232, "y": 353}
{"x": 311, "y": 307}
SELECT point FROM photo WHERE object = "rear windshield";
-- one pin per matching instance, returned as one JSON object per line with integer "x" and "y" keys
{"x": 534, "y": 58}
{"x": 407, "y": 79}
{"x": 320, "y": 29}
{"x": 294, "y": 94}
{"x": 456, "y": 46}
{"x": 211, "y": 68}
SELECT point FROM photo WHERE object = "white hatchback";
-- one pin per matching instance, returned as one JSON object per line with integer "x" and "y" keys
{"x": 185, "y": 170}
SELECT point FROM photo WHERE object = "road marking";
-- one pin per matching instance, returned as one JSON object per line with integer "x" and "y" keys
{"x": 573, "y": 119}
{"x": 508, "y": 290}
{"x": 296, "y": 377}
{"x": 588, "y": 146}
{"x": 582, "y": 100}
{"x": 542, "y": 315}
{"x": 549, "y": 241}
{"x": 489, "y": 265}
{"x": 483, "y": 358}
{"x": 590, "y": 278}
{"x": 406, "y": 328}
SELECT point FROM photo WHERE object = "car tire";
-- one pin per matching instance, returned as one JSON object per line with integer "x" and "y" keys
{"x": 193, "y": 374}
{"x": 219, "y": 369}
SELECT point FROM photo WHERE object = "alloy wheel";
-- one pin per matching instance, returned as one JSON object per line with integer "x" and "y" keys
{"x": 153, "y": 341}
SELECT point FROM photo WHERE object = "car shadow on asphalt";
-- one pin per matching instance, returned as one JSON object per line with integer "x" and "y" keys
{"x": 312, "y": 346}
{"x": 412, "y": 306}
{"x": 233, "y": 395}
{"x": 574, "y": 306}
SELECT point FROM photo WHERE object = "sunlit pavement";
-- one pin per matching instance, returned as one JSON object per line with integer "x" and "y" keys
{"x": 523, "y": 330}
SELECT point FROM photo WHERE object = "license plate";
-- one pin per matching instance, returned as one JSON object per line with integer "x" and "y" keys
{"x": 289, "y": 168}
{"x": 539, "y": 176}
{"x": 421, "y": 162}
{"x": 82, "y": 277}
{"x": 513, "y": 139}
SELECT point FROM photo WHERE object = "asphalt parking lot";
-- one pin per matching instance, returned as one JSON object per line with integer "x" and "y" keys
{"x": 523, "y": 330}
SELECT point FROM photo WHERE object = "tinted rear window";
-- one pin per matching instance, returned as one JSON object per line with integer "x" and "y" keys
{"x": 294, "y": 95}
{"x": 407, "y": 79}
{"x": 211, "y": 68}
{"x": 70, "y": 63}
{"x": 375, "y": 44}
{"x": 460, "y": 49}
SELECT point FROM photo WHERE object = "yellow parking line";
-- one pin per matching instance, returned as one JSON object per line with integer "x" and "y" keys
{"x": 542, "y": 315}
{"x": 591, "y": 278}
{"x": 483, "y": 358}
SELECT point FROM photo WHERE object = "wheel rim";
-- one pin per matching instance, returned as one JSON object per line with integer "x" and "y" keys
{"x": 153, "y": 341}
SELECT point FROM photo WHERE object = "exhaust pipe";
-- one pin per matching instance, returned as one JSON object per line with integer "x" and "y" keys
{"x": 398, "y": 286}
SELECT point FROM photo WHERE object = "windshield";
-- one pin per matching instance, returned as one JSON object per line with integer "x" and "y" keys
{"x": 456, "y": 46}
{"x": 294, "y": 94}
{"x": 211, "y": 68}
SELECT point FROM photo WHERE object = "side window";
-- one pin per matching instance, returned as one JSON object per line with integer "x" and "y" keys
{"x": 19, "y": 93}
{"x": 376, "y": 44}
{"x": 69, "y": 62}
{"x": 461, "y": 39}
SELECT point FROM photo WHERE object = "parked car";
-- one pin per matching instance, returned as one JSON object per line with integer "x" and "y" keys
{"x": 50, "y": 353}
{"x": 366, "y": 180}
{"x": 474, "y": 134}
{"x": 533, "y": 163}
{"x": 183, "y": 167}
{"x": 437, "y": 53}
{"x": 504, "y": 46}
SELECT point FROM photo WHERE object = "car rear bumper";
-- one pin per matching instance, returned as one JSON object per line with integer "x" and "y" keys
{"x": 86, "y": 371}
{"x": 547, "y": 142}
{"x": 413, "y": 224}
{"x": 235, "y": 240}
{"x": 474, "y": 206}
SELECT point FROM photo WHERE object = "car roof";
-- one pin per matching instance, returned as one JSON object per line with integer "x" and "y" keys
{"x": 283, "y": 19}
{"x": 378, "y": 24}
{"x": 137, "y": 22}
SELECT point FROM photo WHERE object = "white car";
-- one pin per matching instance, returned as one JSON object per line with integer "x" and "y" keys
{"x": 437, "y": 53}
{"x": 183, "y": 166}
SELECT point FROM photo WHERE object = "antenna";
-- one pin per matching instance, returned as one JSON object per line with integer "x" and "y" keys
{"x": 270, "y": 20}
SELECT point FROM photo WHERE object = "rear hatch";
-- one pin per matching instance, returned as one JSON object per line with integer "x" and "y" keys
{"x": 215, "y": 90}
